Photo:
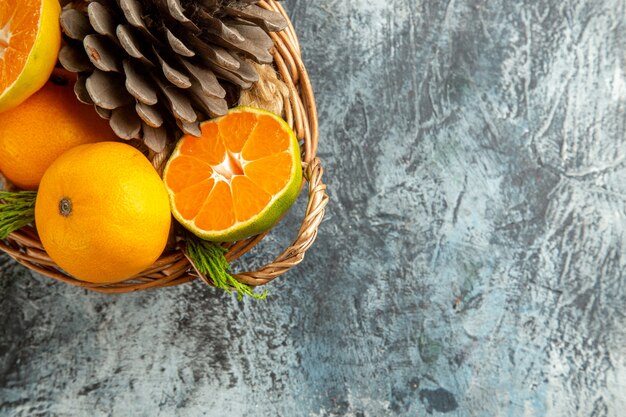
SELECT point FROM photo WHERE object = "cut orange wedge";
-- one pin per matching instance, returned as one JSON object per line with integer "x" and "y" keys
{"x": 30, "y": 38}
{"x": 238, "y": 178}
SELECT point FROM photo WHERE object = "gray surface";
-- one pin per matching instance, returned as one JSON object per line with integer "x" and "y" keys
{"x": 471, "y": 263}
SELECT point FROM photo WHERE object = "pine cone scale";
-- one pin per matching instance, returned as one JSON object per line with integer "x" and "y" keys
{"x": 253, "y": 47}
{"x": 102, "y": 53}
{"x": 247, "y": 72}
{"x": 155, "y": 139}
{"x": 130, "y": 44}
{"x": 75, "y": 25}
{"x": 132, "y": 12}
{"x": 218, "y": 28}
{"x": 138, "y": 86}
{"x": 104, "y": 113}
{"x": 207, "y": 80}
{"x": 151, "y": 116}
{"x": 212, "y": 54}
{"x": 176, "y": 11}
{"x": 125, "y": 123}
{"x": 179, "y": 104}
{"x": 268, "y": 20}
{"x": 74, "y": 59}
{"x": 101, "y": 20}
{"x": 189, "y": 128}
{"x": 80, "y": 89}
{"x": 178, "y": 46}
{"x": 212, "y": 106}
{"x": 107, "y": 91}
{"x": 174, "y": 76}
{"x": 229, "y": 76}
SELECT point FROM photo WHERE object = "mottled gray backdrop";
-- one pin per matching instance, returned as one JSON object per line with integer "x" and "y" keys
{"x": 472, "y": 261}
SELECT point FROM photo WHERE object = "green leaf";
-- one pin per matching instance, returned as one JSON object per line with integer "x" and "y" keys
{"x": 17, "y": 209}
{"x": 209, "y": 259}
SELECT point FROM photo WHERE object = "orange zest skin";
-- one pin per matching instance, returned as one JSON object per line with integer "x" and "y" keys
{"x": 238, "y": 178}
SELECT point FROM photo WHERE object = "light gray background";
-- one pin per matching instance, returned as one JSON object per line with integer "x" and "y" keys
{"x": 471, "y": 262}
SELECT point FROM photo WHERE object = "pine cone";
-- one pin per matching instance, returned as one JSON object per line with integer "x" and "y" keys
{"x": 155, "y": 68}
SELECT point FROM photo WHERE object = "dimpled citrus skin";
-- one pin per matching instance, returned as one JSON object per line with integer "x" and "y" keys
{"x": 43, "y": 52}
{"x": 39, "y": 130}
{"x": 119, "y": 221}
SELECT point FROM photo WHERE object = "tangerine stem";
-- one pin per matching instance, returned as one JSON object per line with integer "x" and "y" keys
{"x": 65, "y": 207}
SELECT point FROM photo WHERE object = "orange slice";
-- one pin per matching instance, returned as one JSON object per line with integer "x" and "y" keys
{"x": 238, "y": 178}
{"x": 30, "y": 38}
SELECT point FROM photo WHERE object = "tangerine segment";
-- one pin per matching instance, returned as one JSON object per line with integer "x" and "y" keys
{"x": 271, "y": 173}
{"x": 186, "y": 171}
{"x": 209, "y": 147}
{"x": 19, "y": 23}
{"x": 248, "y": 199}
{"x": 267, "y": 138}
{"x": 190, "y": 200}
{"x": 217, "y": 213}
{"x": 236, "y": 129}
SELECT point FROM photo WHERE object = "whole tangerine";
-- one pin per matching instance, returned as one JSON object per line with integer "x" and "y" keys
{"x": 48, "y": 123}
{"x": 102, "y": 212}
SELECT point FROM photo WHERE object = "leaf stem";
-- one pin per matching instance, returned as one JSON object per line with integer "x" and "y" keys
{"x": 209, "y": 259}
{"x": 17, "y": 209}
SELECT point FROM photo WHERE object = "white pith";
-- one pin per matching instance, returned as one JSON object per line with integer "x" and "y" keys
{"x": 226, "y": 170}
{"x": 5, "y": 36}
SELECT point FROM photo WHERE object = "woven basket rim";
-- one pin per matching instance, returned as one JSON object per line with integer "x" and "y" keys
{"x": 174, "y": 268}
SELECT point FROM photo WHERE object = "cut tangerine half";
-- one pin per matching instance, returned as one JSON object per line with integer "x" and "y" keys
{"x": 238, "y": 178}
{"x": 30, "y": 38}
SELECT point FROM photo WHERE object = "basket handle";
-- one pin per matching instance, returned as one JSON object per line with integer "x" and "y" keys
{"x": 294, "y": 254}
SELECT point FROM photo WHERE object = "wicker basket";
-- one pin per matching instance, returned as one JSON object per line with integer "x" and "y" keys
{"x": 173, "y": 267}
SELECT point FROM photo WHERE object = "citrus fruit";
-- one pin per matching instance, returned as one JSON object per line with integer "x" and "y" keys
{"x": 102, "y": 212}
{"x": 48, "y": 123}
{"x": 238, "y": 178}
{"x": 30, "y": 38}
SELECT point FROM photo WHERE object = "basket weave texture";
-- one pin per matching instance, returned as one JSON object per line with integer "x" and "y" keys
{"x": 173, "y": 267}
